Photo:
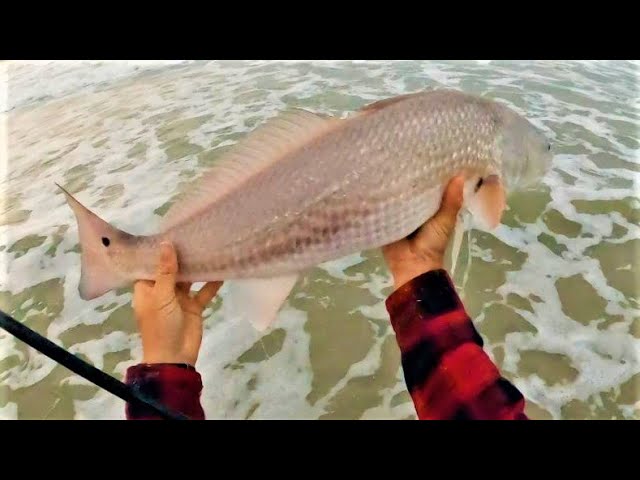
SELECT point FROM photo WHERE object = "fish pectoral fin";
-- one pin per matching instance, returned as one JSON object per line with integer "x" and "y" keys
{"x": 488, "y": 204}
{"x": 258, "y": 300}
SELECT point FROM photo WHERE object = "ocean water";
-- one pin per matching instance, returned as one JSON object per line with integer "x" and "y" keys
{"x": 554, "y": 291}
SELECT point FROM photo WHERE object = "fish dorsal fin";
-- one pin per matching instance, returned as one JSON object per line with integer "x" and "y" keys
{"x": 261, "y": 148}
{"x": 380, "y": 104}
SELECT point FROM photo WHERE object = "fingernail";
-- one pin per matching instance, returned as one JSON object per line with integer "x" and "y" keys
{"x": 165, "y": 252}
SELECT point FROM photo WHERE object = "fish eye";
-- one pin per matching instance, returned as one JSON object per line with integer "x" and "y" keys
{"x": 105, "y": 241}
{"x": 549, "y": 147}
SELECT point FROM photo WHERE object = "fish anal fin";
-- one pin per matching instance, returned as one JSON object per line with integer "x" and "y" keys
{"x": 258, "y": 300}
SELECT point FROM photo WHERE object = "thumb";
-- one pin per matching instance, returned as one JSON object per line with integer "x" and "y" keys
{"x": 452, "y": 199}
{"x": 436, "y": 232}
{"x": 166, "y": 271}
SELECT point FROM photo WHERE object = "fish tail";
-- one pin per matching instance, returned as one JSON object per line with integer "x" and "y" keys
{"x": 97, "y": 242}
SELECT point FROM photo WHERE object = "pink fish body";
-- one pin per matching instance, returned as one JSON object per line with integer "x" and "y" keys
{"x": 304, "y": 189}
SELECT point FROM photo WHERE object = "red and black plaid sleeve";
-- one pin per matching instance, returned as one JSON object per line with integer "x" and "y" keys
{"x": 176, "y": 386}
{"x": 447, "y": 372}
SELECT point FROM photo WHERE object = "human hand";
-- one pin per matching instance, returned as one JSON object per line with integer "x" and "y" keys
{"x": 169, "y": 318}
{"x": 410, "y": 257}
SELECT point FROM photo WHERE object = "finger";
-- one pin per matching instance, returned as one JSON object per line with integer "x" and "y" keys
{"x": 452, "y": 198}
{"x": 166, "y": 271}
{"x": 435, "y": 234}
{"x": 184, "y": 287}
{"x": 142, "y": 286}
{"x": 207, "y": 292}
{"x": 445, "y": 218}
{"x": 141, "y": 290}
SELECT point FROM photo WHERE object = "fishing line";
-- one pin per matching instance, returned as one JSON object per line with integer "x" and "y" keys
{"x": 467, "y": 226}
{"x": 458, "y": 232}
{"x": 264, "y": 349}
{"x": 82, "y": 368}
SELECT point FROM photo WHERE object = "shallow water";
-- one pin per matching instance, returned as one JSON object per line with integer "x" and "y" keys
{"x": 554, "y": 291}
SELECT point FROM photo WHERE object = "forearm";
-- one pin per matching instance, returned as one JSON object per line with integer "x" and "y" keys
{"x": 448, "y": 374}
{"x": 176, "y": 386}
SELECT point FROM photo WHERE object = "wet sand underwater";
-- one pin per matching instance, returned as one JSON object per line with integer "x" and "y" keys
{"x": 554, "y": 291}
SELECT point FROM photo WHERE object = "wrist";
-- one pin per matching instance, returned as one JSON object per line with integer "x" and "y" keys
{"x": 156, "y": 365}
{"x": 408, "y": 272}
{"x": 156, "y": 358}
